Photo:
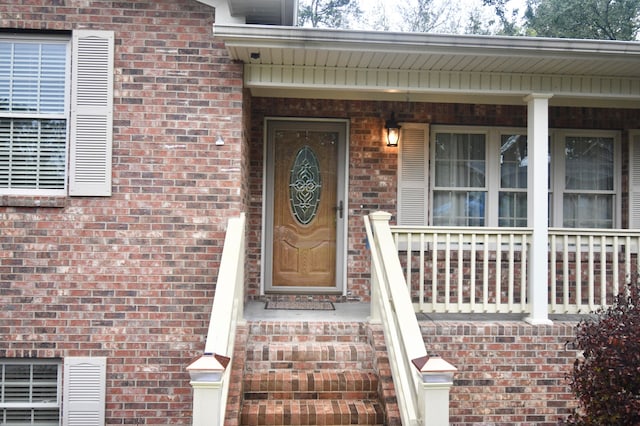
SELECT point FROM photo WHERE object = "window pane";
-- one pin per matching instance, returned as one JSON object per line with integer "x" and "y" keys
{"x": 458, "y": 208}
{"x": 32, "y": 77}
{"x": 513, "y": 161}
{"x": 512, "y": 209}
{"x": 588, "y": 211}
{"x": 29, "y": 393}
{"x": 460, "y": 160}
{"x": 589, "y": 163}
{"x": 32, "y": 153}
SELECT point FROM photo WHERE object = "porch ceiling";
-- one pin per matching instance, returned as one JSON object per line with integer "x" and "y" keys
{"x": 414, "y": 66}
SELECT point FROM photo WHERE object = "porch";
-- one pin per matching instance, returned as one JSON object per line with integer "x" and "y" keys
{"x": 500, "y": 357}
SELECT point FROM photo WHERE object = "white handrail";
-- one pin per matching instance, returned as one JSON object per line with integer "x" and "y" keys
{"x": 419, "y": 401}
{"x": 210, "y": 374}
{"x": 229, "y": 297}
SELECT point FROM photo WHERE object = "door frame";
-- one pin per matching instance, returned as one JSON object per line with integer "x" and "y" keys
{"x": 267, "y": 207}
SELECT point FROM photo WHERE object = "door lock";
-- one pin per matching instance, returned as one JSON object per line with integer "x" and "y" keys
{"x": 339, "y": 209}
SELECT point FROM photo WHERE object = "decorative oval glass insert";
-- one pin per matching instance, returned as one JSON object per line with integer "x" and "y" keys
{"x": 305, "y": 185}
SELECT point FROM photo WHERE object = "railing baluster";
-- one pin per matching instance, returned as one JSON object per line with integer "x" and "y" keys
{"x": 523, "y": 273}
{"x": 409, "y": 260}
{"x": 603, "y": 270}
{"x": 590, "y": 273}
{"x": 472, "y": 284}
{"x": 447, "y": 268}
{"x": 485, "y": 274}
{"x": 422, "y": 277}
{"x": 511, "y": 272}
{"x": 616, "y": 266}
{"x": 627, "y": 260}
{"x": 434, "y": 271}
{"x": 579, "y": 271}
{"x": 460, "y": 270}
{"x": 498, "y": 271}
{"x": 565, "y": 273}
{"x": 552, "y": 260}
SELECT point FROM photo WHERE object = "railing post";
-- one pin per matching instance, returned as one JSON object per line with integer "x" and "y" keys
{"x": 207, "y": 374}
{"x": 538, "y": 202}
{"x": 437, "y": 379}
{"x": 376, "y": 218}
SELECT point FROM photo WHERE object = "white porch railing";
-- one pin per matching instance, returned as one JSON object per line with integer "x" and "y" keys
{"x": 421, "y": 382}
{"x": 210, "y": 373}
{"x": 484, "y": 270}
{"x": 588, "y": 268}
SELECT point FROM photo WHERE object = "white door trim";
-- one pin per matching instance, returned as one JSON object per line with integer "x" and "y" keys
{"x": 267, "y": 210}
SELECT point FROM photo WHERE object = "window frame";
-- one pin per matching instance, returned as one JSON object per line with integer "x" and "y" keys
{"x": 558, "y": 188}
{"x": 556, "y": 170}
{"x": 31, "y": 405}
{"x": 65, "y": 40}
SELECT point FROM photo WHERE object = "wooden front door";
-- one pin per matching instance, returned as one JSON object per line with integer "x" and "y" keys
{"x": 306, "y": 206}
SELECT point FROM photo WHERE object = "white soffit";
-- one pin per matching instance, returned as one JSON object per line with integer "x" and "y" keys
{"x": 370, "y": 62}
{"x": 263, "y": 12}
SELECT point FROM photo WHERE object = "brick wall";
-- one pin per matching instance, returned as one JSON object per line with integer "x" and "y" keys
{"x": 131, "y": 276}
{"x": 508, "y": 372}
{"x": 373, "y": 165}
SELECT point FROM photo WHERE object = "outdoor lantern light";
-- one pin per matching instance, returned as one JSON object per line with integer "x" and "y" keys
{"x": 393, "y": 130}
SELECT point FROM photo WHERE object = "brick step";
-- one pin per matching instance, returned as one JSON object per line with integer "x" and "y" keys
{"x": 273, "y": 331}
{"x": 312, "y": 412}
{"x": 283, "y": 384}
{"x": 309, "y": 356}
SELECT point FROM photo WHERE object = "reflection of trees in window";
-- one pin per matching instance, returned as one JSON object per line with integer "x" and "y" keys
{"x": 459, "y": 195}
{"x": 512, "y": 201}
{"x": 588, "y": 200}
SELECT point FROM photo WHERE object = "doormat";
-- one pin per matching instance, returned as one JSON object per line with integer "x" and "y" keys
{"x": 299, "y": 305}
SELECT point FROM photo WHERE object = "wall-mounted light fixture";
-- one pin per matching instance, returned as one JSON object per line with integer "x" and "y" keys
{"x": 393, "y": 130}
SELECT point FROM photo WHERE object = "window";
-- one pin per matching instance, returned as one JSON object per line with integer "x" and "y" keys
{"x": 585, "y": 192}
{"x": 56, "y": 114}
{"x": 479, "y": 177}
{"x": 33, "y": 115}
{"x": 460, "y": 185}
{"x": 30, "y": 392}
{"x": 512, "y": 198}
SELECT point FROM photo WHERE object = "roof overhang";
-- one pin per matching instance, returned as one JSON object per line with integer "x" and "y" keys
{"x": 339, "y": 64}
{"x": 264, "y": 12}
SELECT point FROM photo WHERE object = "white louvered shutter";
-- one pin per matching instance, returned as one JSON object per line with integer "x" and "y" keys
{"x": 634, "y": 179}
{"x": 83, "y": 400}
{"x": 91, "y": 113}
{"x": 413, "y": 173}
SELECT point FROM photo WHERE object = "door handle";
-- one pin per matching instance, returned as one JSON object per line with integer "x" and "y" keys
{"x": 339, "y": 209}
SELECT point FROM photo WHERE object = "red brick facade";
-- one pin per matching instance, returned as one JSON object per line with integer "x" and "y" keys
{"x": 508, "y": 372}
{"x": 131, "y": 276}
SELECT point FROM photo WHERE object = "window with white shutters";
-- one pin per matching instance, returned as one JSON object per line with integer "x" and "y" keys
{"x": 30, "y": 392}
{"x": 478, "y": 177}
{"x": 56, "y": 114}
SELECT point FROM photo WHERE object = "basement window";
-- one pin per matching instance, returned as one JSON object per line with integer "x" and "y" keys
{"x": 30, "y": 392}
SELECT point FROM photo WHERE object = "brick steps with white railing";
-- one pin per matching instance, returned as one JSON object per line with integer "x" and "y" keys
{"x": 307, "y": 373}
